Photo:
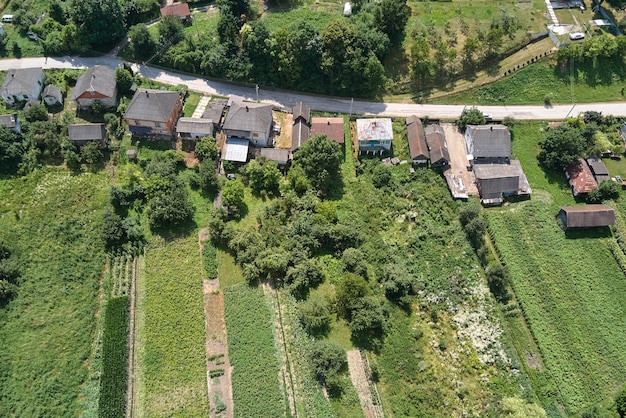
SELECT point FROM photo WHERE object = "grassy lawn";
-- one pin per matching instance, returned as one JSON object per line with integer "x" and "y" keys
{"x": 172, "y": 353}
{"x": 531, "y": 86}
{"x": 252, "y": 352}
{"x": 276, "y": 19}
{"x": 52, "y": 221}
{"x": 191, "y": 102}
{"x": 18, "y": 45}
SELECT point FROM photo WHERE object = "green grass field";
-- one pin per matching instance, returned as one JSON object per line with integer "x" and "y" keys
{"x": 171, "y": 341}
{"x": 52, "y": 221}
{"x": 569, "y": 287}
{"x": 252, "y": 352}
{"x": 531, "y": 86}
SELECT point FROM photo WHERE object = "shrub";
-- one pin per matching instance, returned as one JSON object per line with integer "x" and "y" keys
{"x": 209, "y": 258}
{"x": 620, "y": 403}
{"x": 470, "y": 116}
{"x": 328, "y": 359}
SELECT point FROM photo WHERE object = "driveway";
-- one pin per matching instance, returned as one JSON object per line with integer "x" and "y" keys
{"x": 458, "y": 157}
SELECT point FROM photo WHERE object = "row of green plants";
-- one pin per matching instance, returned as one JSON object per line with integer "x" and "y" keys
{"x": 114, "y": 379}
{"x": 172, "y": 363}
{"x": 252, "y": 353}
{"x": 571, "y": 292}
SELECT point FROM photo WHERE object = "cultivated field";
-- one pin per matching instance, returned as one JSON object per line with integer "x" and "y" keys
{"x": 171, "y": 363}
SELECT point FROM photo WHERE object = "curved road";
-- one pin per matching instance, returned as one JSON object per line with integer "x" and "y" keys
{"x": 322, "y": 103}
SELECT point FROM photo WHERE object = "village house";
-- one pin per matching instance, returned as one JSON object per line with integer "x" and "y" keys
{"x": 300, "y": 128}
{"x": 251, "y": 121}
{"x": 215, "y": 111}
{"x": 374, "y": 135}
{"x": 437, "y": 146}
{"x": 418, "y": 149}
{"x": 12, "y": 122}
{"x": 496, "y": 181}
{"x": 97, "y": 84}
{"x": 52, "y": 95}
{"x": 22, "y": 85}
{"x": 153, "y": 113}
{"x": 194, "y": 128}
{"x": 580, "y": 178}
{"x": 180, "y": 10}
{"x": 586, "y": 216}
{"x": 333, "y": 128}
{"x": 488, "y": 143}
{"x": 83, "y": 133}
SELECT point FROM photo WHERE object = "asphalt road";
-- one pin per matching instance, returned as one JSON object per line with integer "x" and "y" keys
{"x": 322, "y": 103}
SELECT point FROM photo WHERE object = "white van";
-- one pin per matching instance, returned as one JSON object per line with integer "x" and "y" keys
{"x": 7, "y": 18}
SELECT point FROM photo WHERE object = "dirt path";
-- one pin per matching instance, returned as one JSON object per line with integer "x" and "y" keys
{"x": 217, "y": 361}
{"x": 131, "y": 400}
{"x": 458, "y": 157}
{"x": 287, "y": 376}
{"x": 361, "y": 384}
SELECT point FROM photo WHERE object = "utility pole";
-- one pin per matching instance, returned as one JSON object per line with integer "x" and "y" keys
{"x": 351, "y": 103}
{"x": 257, "y": 92}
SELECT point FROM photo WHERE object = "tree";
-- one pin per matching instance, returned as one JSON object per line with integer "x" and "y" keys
{"x": 354, "y": 261}
{"x": 381, "y": 176}
{"x": 113, "y": 232}
{"x": 320, "y": 159}
{"x": 169, "y": 208}
{"x": 142, "y": 43}
{"x": 471, "y": 116}
{"x": 263, "y": 176}
{"x": 90, "y": 152}
{"x": 561, "y": 147}
{"x": 124, "y": 80}
{"x": 390, "y": 17}
{"x": 348, "y": 291}
{"x": 36, "y": 112}
{"x": 233, "y": 194}
{"x": 498, "y": 279}
{"x": 368, "y": 316}
{"x": 315, "y": 314}
{"x": 620, "y": 403}
{"x": 206, "y": 149}
{"x": 11, "y": 151}
{"x": 9, "y": 273}
{"x": 297, "y": 180}
{"x": 303, "y": 276}
{"x": 328, "y": 359}
{"x": 170, "y": 30}
{"x": 104, "y": 19}
{"x": 421, "y": 64}
{"x": 207, "y": 178}
{"x": 398, "y": 283}
{"x": 518, "y": 408}
{"x": 607, "y": 190}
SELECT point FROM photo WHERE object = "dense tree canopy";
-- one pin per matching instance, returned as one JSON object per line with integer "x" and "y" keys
{"x": 104, "y": 19}
{"x": 561, "y": 147}
{"x": 471, "y": 116}
{"x": 320, "y": 159}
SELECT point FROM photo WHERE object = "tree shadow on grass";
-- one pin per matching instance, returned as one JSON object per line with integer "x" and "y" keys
{"x": 599, "y": 232}
{"x": 173, "y": 232}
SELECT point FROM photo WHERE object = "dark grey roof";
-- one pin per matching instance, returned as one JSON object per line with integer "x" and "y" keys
{"x": 300, "y": 133}
{"x": 279, "y": 155}
{"x": 20, "y": 82}
{"x": 10, "y": 120}
{"x": 490, "y": 141}
{"x": 87, "y": 132}
{"x": 100, "y": 79}
{"x": 436, "y": 140}
{"x": 248, "y": 117}
{"x": 417, "y": 138}
{"x": 152, "y": 105}
{"x": 214, "y": 110}
{"x": 53, "y": 91}
{"x": 494, "y": 180}
{"x": 588, "y": 216}
{"x": 189, "y": 125}
{"x": 598, "y": 167}
{"x": 301, "y": 111}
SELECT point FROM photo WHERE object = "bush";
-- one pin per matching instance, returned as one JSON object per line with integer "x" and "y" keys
{"x": 470, "y": 116}
{"x": 608, "y": 190}
{"x": 315, "y": 314}
{"x": 209, "y": 258}
{"x": 206, "y": 149}
{"x": 498, "y": 279}
{"x": 620, "y": 403}
{"x": 328, "y": 359}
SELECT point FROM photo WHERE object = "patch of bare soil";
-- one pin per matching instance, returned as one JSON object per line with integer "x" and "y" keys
{"x": 458, "y": 157}
{"x": 285, "y": 121}
{"x": 219, "y": 370}
{"x": 361, "y": 383}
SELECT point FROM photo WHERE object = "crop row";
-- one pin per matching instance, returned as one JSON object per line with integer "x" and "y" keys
{"x": 252, "y": 353}
{"x": 209, "y": 258}
{"x": 121, "y": 270}
{"x": 573, "y": 294}
{"x": 114, "y": 359}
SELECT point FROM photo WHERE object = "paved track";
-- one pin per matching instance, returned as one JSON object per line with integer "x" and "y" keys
{"x": 322, "y": 103}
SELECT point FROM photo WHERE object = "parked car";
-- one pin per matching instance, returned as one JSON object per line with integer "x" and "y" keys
{"x": 575, "y": 36}
{"x": 31, "y": 35}
{"x": 7, "y": 18}
{"x": 230, "y": 176}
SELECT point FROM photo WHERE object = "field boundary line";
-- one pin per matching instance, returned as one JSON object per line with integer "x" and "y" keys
{"x": 131, "y": 406}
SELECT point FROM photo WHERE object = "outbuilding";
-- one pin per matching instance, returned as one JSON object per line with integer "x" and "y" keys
{"x": 586, "y": 216}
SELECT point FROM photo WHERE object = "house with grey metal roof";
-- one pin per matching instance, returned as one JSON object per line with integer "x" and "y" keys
{"x": 252, "y": 121}
{"x": 280, "y": 156}
{"x": 301, "y": 112}
{"x": 194, "y": 128}
{"x": 82, "y": 133}
{"x": 496, "y": 181}
{"x": 52, "y": 95}
{"x": 418, "y": 149}
{"x": 586, "y": 216}
{"x": 437, "y": 146}
{"x": 12, "y": 122}
{"x": 22, "y": 85}
{"x": 374, "y": 135}
{"x": 97, "y": 84}
{"x": 488, "y": 143}
{"x": 236, "y": 150}
{"x": 215, "y": 110}
{"x": 599, "y": 169}
{"x": 153, "y": 113}
{"x": 301, "y": 125}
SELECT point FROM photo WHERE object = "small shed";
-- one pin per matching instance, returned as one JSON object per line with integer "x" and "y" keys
{"x": 194, "y": 128}
{"x": 437, "y": 146}
{"x": 280, "y": 156}
{"x": 11, "y": 121}
{"x": 586, "y": 216}
{"x": 131, "y": 154}
{"x": 236, "y": 150}
{"x": 580, "y": 178}
{"x": 215, "y": 110}
{"x": 82, "y": 133}
{"x": 180, "y": 10}
{"x": 599, "y": 169}
{"x": 347, "y": 9}
{"x": 52, "y": 95}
